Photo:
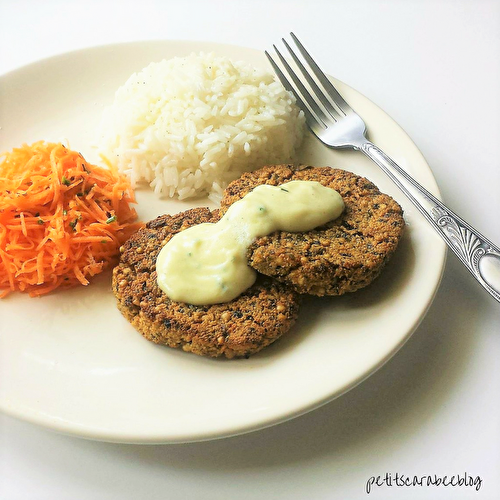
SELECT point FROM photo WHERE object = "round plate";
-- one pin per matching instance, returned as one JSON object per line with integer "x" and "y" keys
{"x": 72, "y": 363}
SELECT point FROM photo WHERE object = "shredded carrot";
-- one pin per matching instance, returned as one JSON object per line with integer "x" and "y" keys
{"x": 62, "y": 219}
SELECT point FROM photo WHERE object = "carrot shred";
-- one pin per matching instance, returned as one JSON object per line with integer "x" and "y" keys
{"x": 62, "y": 219}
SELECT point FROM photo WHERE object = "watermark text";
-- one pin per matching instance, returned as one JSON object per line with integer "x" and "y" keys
{"x": 404, "y": 480}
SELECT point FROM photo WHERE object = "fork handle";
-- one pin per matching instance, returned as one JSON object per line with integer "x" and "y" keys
{"x": 479, "y": 255}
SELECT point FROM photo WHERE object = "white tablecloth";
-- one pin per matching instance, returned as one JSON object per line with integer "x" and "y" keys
{"x": 434, "y": 409}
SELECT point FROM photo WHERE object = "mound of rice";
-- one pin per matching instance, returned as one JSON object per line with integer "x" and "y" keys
{"x": 188, "y": 126}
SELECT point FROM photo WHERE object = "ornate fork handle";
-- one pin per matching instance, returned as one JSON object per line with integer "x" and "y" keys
{"x": 479, "y": 255}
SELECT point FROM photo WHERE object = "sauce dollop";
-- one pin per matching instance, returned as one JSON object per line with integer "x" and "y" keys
{"x": 207, "y": 264}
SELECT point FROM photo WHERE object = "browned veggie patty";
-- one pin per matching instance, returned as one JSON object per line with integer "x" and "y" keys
{"x": 341, "y": 256}
{"x": 238, "y": 328}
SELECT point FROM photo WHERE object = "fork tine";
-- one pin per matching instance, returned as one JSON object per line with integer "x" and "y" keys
{"x": 314, "y": 86}
{"x": 330, "y": 89}
{"x": 310, "y": 118}
{"x": 302, "y": 92}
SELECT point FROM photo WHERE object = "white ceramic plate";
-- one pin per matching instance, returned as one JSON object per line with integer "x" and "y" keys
{"x": 72, "y": 363}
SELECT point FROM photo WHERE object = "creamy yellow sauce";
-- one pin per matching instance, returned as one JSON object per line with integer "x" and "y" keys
{"x": 207, "y": 264}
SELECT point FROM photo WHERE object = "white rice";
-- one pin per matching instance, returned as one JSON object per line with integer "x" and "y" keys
{"x": 188, "y": 126}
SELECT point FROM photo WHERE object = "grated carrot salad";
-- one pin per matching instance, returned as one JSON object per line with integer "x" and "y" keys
{"x": 62, "y": 219}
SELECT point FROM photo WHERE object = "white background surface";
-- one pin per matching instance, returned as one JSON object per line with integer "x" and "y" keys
{"x": 434, "y": 66}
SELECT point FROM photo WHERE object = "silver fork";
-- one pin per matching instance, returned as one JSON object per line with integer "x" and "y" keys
{"x": 337, "y": 125}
